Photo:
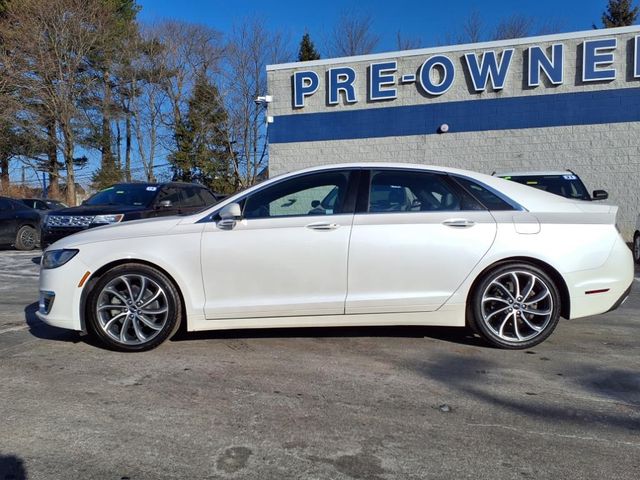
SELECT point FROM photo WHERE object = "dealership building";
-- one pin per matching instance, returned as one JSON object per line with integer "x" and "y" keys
{"x": 557, "y": 102}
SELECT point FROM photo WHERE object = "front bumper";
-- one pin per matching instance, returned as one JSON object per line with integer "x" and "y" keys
{"x": 61, "y": 295}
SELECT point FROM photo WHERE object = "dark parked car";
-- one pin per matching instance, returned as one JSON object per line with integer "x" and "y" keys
{"x": 19, "y": 224}
{"x": 127, "y": 201}
{"x": 563, "y": 183}
{"x": 43, "y": 203}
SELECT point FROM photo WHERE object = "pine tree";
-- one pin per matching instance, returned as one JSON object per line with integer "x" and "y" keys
{"x": 619, "y": 13}
{"x": 307, "y": 50}
{"x": 203, "y": 152}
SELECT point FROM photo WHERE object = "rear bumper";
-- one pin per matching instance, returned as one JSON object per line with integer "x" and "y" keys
{"x": 623, "y": 298}
{"x": 605, "y": 288}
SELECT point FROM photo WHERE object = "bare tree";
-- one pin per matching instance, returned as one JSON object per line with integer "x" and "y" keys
{"x": 352, "y": 35}
{"x": 251, "y": 48}
{"x": 182, "y": 52}
{"x": 49, "y": 44}
{"x": 472, "y": 28}
{"x": 407, "y": 43}
{"x": 515, "y": 26}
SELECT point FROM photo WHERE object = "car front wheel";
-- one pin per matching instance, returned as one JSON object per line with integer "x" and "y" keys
{"x": 133, "y": 308}
{"x": 515, "y": 306}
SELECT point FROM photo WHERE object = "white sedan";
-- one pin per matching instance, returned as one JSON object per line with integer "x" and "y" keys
{"x": 345, "y": 245}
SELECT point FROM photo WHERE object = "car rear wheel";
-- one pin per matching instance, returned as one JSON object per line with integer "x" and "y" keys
{"x": 133, "y": 308}
{"x": 26, "y": 238}
{"x": 515, "y": 306}
{"x": 636, "y": 247}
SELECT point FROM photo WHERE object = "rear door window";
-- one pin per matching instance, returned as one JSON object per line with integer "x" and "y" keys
{"x": 489, "y": 199}
{"x": 416, "y": 191}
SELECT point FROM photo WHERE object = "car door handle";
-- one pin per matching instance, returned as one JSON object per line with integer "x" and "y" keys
{"x": 323, "y": 226}
{"x": 459, "y": 223}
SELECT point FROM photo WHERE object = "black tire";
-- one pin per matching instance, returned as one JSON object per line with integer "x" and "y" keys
{"x": 500, "y": 314}
{"x": 26, "y": 238}
{"x": 113, "y": 289}
{"x": 636, "y": 247}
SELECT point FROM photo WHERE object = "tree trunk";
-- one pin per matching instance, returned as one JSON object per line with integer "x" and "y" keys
{"x": 127, "y": 151}
{"x": 68, "y": 162}
{"x": 52, "y": 156}
{"x": 107, "y": 160}
{"x": 4, "y": 174}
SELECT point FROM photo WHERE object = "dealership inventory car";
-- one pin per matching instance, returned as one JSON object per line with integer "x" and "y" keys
{"x": 43, "y": 203}
{"x": 19, "y": 224}
{"x": 564, "y": 183}
{"x": 356, "y": 244}
{"x": 127, "y": 201}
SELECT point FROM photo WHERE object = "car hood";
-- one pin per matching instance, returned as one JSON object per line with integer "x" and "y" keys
{"x": 118, "y": 231}
{"x": 98, "y": 210}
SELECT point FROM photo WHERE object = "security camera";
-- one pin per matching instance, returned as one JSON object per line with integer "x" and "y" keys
{"x": 263, "y": 99}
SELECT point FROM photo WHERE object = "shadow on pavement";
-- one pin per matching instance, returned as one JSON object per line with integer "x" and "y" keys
{"x": 12, "y": 468}
{"x": 448, "y": 334}
{"x": 39, "y": 329}
{"x": 465, "y": 375}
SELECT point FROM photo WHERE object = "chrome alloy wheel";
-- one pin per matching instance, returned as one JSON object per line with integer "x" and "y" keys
{"x": 132, "y": 309}
{"x": 517, "y": 306}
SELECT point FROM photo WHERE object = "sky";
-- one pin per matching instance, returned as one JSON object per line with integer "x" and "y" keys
{"x": 429, "y": 21}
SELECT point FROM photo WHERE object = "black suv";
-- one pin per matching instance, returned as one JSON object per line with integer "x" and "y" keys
{"x": 19, "y": 224}
{"x": 127, "y": 201}
{"x": 43, "y": 203}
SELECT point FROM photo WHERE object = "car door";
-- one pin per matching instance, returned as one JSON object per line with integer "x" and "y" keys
{"x": 7, "y": 222}
{"x": 417, "y": 237}
{"x": 287, "y": 256}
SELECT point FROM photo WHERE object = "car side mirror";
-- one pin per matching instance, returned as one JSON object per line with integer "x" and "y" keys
{"x": 165, "y": 204}
{"x": 231, "y": 211}
{"x": 600, "y": 195}
{"x": 228, "y": 216}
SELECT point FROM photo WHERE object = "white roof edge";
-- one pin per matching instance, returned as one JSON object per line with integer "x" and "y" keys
{"x": 605, "y": 32}
{"x": 526, "y": 173}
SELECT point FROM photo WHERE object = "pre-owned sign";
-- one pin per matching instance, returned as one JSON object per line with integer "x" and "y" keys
{"x": 437, "y": 73}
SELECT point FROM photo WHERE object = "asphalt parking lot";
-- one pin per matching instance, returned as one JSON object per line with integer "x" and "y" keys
{"x": 356, "y": 403}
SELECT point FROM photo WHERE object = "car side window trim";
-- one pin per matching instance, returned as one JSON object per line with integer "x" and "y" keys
{"x": 349, "y": 201}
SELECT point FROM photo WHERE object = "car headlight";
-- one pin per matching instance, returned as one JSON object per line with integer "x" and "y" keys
{"x": 105, "y": 219}
{"x": 57, "y": 258}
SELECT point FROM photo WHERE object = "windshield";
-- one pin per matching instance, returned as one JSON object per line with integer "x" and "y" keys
{"x": 130, "y": 195}
{"x": 569, "y": 186}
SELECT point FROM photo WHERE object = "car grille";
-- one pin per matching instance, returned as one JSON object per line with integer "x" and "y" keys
{"x": 69, "y": 220}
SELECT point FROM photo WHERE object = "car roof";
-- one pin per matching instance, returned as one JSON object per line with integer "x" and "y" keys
{"x": 533, "y": 173}
{"x": 161, "y": 184}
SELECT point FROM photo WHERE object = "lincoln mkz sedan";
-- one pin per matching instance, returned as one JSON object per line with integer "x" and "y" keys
{"x": 346, "y": 245}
